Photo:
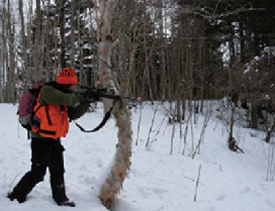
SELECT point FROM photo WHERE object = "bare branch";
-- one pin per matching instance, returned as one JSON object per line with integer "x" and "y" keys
{"x": 208, "y": 15}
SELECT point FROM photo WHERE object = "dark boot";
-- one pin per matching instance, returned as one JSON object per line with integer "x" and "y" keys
{"x": 21, "y": 199}
{"x": 59, "y": 192}
{"x": 67, "y": 203}
{"x": 57, "y": 170}
{"x": 26, "y": 184}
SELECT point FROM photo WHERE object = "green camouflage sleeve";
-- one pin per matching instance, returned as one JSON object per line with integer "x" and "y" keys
{"x": 77, "y": 112}
{"x": 50, "y": 95}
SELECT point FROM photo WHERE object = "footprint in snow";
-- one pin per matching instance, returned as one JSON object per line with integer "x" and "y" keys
{"x": 245, "y": 190}
{"x": 221, "y": 197}
{"x": 152, "y": 192}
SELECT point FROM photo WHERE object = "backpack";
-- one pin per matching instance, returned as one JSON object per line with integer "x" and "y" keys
{"x": 27, "y": 103}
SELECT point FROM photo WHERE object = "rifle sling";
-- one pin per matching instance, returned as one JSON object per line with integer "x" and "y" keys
{"x": 102, "y": 123}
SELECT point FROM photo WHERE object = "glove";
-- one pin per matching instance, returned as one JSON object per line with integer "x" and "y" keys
{"x": 88, "y": 96}
{"x": 94, "y": 96}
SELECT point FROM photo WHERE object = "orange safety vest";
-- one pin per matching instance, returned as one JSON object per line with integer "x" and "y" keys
{"x": 50, "y": 121}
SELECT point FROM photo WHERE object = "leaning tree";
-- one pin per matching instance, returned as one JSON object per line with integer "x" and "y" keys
{"x": 121, "y": 164}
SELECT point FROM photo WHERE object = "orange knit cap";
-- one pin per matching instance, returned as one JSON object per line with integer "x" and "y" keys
{"x": 67, "y": 76}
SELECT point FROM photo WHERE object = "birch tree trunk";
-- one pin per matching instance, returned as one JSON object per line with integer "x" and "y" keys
{"x": 121, "y": 164}
{"x": 3, "y": 49}
{"x": 37, "y": 47}
{"x": 11, "y": 95}
{"x": 61, "y": 14}
{"x": 24, "y": 45}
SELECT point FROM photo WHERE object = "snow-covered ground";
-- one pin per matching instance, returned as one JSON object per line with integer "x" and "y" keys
{"x": 157, "y": 181}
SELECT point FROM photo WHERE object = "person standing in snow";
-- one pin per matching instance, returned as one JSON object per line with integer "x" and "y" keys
{"x": 57, "y": 103}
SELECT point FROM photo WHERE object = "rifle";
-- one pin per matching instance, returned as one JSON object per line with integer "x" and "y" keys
{"x": 101, "y": 93}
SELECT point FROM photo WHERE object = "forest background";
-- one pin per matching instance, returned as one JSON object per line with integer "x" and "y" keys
{"x": 162, "y": 50}
{"x": 184, "y": 53}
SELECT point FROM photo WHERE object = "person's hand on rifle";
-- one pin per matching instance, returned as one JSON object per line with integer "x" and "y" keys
{"x": 89, "y": 96}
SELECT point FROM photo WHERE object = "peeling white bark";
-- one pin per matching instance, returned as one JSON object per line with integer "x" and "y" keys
{"x": 122, "y": 163}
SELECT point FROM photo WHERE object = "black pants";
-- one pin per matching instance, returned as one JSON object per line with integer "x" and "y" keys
{"x": 45, "y": 153}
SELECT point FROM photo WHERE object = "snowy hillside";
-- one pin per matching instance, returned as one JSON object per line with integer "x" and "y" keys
{"x": 157, "y": 181}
